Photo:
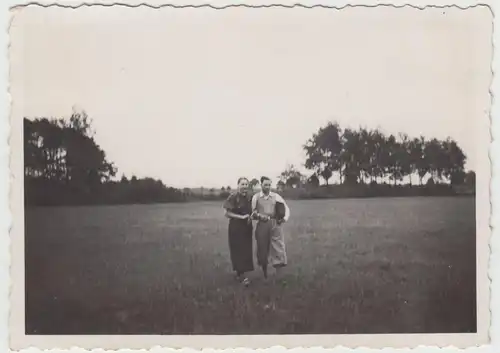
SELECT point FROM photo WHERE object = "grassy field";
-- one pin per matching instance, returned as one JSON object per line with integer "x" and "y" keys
{"x": 355, "y": 266}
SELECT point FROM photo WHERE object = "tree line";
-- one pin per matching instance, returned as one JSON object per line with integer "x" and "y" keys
{"x": 364, "y": 159}
{"x": 63, "y": 164}
{"x": 370, "y": 156}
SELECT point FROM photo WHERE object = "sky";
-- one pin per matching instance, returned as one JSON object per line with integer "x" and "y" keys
{"x": 200, "y": 97}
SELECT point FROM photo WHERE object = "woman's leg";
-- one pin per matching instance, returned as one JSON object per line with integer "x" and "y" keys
{"x": 241, "y": 248}
{"x": 247, "y": 254}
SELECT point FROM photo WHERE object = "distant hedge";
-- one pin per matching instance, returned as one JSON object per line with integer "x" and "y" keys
{"x": 383, "y": 190}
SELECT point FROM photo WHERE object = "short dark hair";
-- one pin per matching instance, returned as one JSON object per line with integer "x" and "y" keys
{"x": 242, "y": 178}
{"x": 264, "y": 178}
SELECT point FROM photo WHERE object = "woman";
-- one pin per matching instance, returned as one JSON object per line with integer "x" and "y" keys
{"x": 238, "y": 208}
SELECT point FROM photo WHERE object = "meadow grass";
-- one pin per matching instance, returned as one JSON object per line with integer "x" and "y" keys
{"x": 402, "y": 265}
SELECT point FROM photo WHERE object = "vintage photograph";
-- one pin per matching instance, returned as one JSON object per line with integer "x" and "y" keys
{"x": 260, "y": 172}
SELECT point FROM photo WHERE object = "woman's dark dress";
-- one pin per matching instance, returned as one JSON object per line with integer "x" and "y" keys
{"x": 240, "y": 233}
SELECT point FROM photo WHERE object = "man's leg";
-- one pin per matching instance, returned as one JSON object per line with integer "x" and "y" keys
{"x": 277, "y": 251}
{"x": 263, "y": 238}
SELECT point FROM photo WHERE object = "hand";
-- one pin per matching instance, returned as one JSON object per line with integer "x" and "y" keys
{"x": 247, "y": 216}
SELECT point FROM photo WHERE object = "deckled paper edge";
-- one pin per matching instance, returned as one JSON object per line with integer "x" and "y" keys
{"x": 4, "y": 127}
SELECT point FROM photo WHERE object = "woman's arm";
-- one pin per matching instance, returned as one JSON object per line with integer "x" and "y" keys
{"x": 229, "y": 205}
{"x": 230, "y": 214}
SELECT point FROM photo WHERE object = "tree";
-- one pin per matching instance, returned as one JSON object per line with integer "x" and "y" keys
{"x": 65, "y": 165}
{"x": 254, "y": 182}
{"x": 453, "y": 162}
{"x": 365, "y": 155}
{"x": 351, "y": 156}
{"x": 223, "y": 192}
{"x": 435, "y": 158}
{"x": 403, "y": 161}
{"x": 292, "y": 177}
{"x": 313, "y": 181}
{"x": 323, "y": 151}
{"x": 326, "y": 174}
{"x": 422, "y": 163}
{"x": 62, "y": 151}
{"x": 415, "y": 156}
{"x": 377, "y": 146}
{"x": 390, "y": 165}
{"x": 33, "y": 158}
{"x": 457, "y": 178}
{"x": 470, "y": 179}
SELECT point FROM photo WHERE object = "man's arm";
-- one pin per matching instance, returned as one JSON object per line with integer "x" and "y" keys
{"x": 287, "y": 209}
{"x": 256, "y": 215}
{"x": 254, "y": 203}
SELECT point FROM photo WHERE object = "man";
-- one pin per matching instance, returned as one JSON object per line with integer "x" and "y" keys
{"x": 269, "y": 233}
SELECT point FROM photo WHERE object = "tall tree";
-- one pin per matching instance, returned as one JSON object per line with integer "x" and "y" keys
{"x": 453, "y": 161}
{"x": 366, "y": 154}
{"x": 323, "y": 151}
{"x": 423, "y": 163}
{"x": 403, "y": 162}
{"x": 415, "y": 156}
{"x": 377, "y": 149}
{"x": 435, "y": 158}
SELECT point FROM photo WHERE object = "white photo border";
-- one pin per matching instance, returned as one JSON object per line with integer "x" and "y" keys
{"x": 10, "y": 211}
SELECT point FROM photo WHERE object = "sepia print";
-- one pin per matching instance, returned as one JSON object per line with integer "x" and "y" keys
{"x": 193, "y": 177}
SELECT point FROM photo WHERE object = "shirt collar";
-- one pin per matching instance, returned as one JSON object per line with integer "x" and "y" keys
{"x": 264, "y": 195}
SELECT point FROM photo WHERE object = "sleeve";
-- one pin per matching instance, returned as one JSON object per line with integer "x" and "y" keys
{"x": 254, "y": 203}
{"x": 287, "y": 209}
{"x": 230, "y": 203}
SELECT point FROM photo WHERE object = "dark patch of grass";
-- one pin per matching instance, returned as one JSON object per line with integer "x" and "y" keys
{"x": 404, "y": 265}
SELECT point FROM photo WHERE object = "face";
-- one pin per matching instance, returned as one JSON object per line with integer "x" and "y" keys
{"x": 266, "y": 186}
{"x": 243, "y": 186}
